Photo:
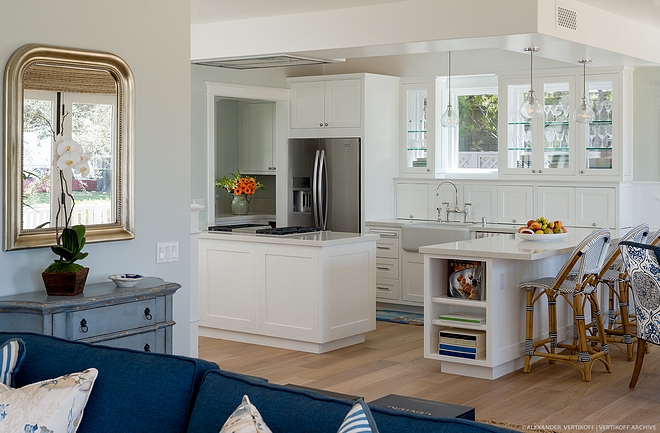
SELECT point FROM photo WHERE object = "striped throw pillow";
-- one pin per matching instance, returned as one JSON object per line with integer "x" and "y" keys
{"x": 12, "y": 353}
{"x": 358, "y": 419}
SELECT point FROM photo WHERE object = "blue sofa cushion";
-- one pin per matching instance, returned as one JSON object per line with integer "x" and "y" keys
{"x": 292, "y": 410}
{"x": 12, "y": 353}
{"x": 134, "y": 392}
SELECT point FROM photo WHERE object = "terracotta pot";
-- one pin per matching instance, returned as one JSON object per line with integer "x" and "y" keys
{"x": 65, "y": 283}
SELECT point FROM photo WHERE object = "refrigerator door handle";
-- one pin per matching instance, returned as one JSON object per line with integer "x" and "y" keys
{"x": 315, "y": 192}
{"x": 323, "y": 192}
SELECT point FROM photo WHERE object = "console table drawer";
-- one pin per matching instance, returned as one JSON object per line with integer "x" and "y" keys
{"x": 105, "y": 320}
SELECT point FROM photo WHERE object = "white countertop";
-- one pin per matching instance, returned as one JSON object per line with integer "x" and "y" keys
{"x": 505, "y": 247}
{"x": 318, "y": 239}
{"x": 474, "y": 227}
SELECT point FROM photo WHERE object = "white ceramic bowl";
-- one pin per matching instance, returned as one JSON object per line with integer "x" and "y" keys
{"x": 125, "y": 280}
{"x": 543, "y": 238}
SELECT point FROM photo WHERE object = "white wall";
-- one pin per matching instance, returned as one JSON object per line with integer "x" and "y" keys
{"x": 153, "y": 37}
{"x": 646, "y": 124}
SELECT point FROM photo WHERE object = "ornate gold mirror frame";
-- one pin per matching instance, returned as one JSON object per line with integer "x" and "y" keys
{"x": 74, "y": 69}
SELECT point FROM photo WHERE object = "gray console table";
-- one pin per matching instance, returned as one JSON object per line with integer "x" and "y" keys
{"x": 138, "y": 317}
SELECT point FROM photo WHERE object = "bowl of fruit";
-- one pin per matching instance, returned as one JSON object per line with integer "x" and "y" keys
{"x": 542, "y": 230}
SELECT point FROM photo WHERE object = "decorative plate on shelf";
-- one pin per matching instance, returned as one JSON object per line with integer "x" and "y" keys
{"x": 554, "y": 237}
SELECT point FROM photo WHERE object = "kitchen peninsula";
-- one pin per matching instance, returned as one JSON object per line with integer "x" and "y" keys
{"x": 505, "y": 262}
{"x": 312, "y": 292}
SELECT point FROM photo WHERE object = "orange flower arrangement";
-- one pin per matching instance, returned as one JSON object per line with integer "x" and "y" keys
{"x": 238, "y": 184}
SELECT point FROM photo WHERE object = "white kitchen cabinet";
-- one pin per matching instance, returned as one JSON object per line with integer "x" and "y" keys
{"x": 557, "y": 203}
{"x": 311, "y": 293}
{"x": 388, "y": 263}
{"x": 413, "y": 278}
{"x": 484, "y": 202}
{"x": 411, "y": 201}
{"x": 555, "y": 144}
{"x": 326, "y": 104}
{"x": 596, "y": 207}
{"x": 257, "y": 152}
{"x": 515, "y": 204}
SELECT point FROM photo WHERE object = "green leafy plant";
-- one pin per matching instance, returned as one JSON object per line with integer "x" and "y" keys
{"x": 69, "y": 249}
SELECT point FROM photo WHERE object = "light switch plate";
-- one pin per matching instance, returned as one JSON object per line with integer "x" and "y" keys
{"x": 167, "y": 252}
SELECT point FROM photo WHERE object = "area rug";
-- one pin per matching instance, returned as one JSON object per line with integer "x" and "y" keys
{"x": 400, "y": 317}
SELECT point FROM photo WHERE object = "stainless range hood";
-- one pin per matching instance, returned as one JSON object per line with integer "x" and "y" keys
{"x": 259, "y": 62}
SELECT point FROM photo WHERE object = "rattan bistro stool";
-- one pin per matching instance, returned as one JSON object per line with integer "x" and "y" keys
{"x": 614, "y": 276}
{"x": 587, "y": 259}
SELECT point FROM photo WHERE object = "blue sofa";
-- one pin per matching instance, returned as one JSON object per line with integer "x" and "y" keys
{"x": 146, "y": 392}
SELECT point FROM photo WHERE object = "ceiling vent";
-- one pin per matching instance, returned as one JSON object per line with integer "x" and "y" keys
{"x": 566, "y": 18}
{"x": 275, "y": 61}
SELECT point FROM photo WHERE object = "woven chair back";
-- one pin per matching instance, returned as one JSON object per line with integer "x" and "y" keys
{"x": 637, "y": 234}
{"x": 587, "y": 258}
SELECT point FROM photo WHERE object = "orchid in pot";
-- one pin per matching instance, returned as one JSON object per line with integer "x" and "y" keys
{"x": 64, "y": 276}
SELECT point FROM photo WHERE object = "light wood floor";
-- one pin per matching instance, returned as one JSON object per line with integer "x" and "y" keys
{"x": 391, "y": 362}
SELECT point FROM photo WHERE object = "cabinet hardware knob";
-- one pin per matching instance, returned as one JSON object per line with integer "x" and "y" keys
{"x": 411, "y": 216}
{"x": 83, "y": 326}
{"x": 321, "y": 124}
{"x": 540, "y": 171}
{"x": 581, "y": 171}
{"x": 513, "y": 220}
{"x": 147, "y": 314}
{"x": 147, "y": 348}
{"x": 325, "y": 124}
{"x": 533, "y": 171}
{"x": 593, "y": 224}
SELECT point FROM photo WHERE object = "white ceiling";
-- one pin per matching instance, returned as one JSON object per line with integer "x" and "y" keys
{"x": 207, "y": 11}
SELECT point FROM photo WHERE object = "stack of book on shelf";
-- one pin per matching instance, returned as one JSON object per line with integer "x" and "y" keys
{"x": 462, "y": 343}
{"x": 472, "y": 319}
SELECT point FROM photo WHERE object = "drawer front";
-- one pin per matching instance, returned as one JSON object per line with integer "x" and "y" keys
{"x": 113, "y": 318}
{"x": 387, "y": 288}
{"x": 146, "y": 342}
{"x": 388, "y": 244}
{"x": 387, "y": 268}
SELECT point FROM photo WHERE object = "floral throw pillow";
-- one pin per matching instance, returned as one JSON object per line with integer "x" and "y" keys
{"x": 50, "y": 406}
{"x": 245, "y": 419}
{"x": 358, "y": 419}
{"x": 12, "y": 353}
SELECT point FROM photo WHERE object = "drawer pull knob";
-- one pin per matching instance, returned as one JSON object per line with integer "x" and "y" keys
{"x": 147, "y": 314}
{"x": 83, "y": 326}
{"x": 147, "y": 348}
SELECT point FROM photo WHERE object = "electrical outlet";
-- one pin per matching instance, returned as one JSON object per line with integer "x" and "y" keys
{"x": 167, "y": 252}
{"x": 199, "y": 201}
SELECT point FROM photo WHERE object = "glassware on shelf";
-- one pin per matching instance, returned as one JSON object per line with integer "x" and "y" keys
{"x": 559, "y": 135}
{"x": 527, "y": 138}
{"x": 592, "y": 135}
{"x": 549, "y": 133}
{"x": 601, "y": 132}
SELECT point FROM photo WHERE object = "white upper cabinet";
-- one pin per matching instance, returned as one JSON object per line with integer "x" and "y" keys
{"x": 555, "y": 144}
{"x": 326, "y": 104}
{"x": 411, "y": 201}
{"x": 515, "y": 204}
{"x": 257, "y": 153}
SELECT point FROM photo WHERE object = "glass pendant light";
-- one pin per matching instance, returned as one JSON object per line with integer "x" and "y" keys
{"x": 449, "y": 119}
{"x": 584, "y": 113}
{"x": 531, "y": 108}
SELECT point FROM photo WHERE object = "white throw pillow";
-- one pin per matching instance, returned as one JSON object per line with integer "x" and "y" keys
{"x": 53, "y": 406}
{"x": 245, "y": 419}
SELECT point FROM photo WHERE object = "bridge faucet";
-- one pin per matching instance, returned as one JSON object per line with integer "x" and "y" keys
{"x": 456, "y": 209}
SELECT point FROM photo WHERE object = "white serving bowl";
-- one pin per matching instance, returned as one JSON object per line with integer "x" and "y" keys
{"x": 125, "y": 280}
{"x": 543, "y": 238}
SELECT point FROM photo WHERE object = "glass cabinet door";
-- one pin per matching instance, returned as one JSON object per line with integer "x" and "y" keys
{"x": 541, "y": 145}
{"x": 556, "y": 125}
{"x": 599, "y": 134}
{"x": 416, "y": 128}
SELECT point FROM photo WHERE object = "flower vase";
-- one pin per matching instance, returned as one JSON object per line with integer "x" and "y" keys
{"x": 240, "y": 204}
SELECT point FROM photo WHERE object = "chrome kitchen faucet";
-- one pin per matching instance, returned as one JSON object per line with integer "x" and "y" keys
{"x": 456, "y": 209}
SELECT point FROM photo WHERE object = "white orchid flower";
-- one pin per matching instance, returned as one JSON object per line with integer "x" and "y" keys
{"x": 67, "y": 144}
{"x": 68, "y": 160}
{"x": 82, "y": 168}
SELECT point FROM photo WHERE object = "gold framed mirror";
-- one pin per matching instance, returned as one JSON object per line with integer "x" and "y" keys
{"x": 88, "y": 96}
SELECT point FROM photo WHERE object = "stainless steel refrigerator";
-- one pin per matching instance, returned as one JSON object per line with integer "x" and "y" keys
{"x": 324, "y": 183}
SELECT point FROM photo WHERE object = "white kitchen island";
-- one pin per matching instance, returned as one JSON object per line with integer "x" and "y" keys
{"x": 507, "y": 261}
{"x": 311, "y": 292}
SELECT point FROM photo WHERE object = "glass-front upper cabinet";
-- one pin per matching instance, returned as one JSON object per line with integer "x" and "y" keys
{"x": 600, "y": 137}
{"x": 545, "y": 144}
{"x": 418, "y": 129}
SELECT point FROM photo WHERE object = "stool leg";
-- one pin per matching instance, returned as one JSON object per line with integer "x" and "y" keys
{"x": 529, "y": 329}
{"x": 593, "y": 300}
{"x": 552, "y": 322}
{"x": 584, "y": 357}
{"x": 625, "y": 319}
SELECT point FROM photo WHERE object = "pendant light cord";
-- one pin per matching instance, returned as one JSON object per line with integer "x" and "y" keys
{"x": 450, "y": 78}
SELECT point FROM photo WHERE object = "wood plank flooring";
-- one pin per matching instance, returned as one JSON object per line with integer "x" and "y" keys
{"x": 391, "y": 361}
